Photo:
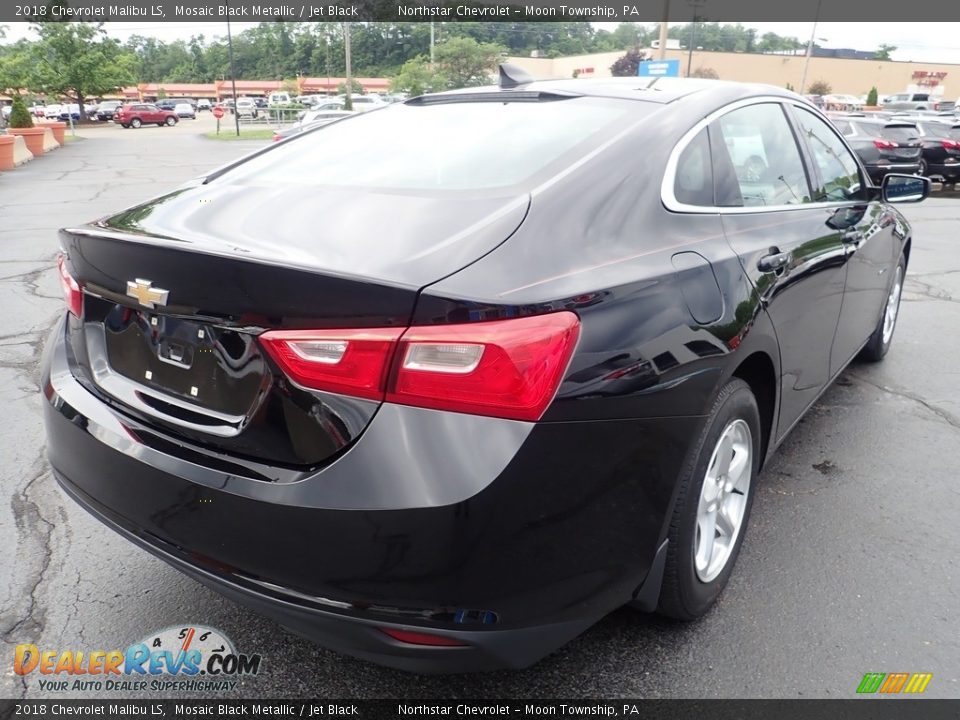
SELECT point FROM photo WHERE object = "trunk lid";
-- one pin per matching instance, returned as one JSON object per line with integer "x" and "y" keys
{"x": 178, "y": 289}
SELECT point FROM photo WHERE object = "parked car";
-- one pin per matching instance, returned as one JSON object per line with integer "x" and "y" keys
{"x": 360, "y": 103}
{"x": 185, "y": 110}
{"x": 70, "y": 111}
{"x": 166, "y": 104}
{"x": 261, "y": 103}
{"x": 203, "y": 105}
{"x": 312, "y": 119}
{"x": 916, "y": 101}
{"x": 842, "y": 102}
{"x": 941, "y": 150}
{"x": 38, "y": 110}
{"x": 507, "y": 386}
{"x": 884, "y": 146}
{"x": 135, "y": 115}
{"x": 106, "y": 110}
{"x": 246, "y": 107}
{"x": 279, "y": 98}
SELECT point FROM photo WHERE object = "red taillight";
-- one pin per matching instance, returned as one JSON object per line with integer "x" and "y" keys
{"x": 418, "y": 638}
{"x": 885, "y": 144}
{"x": 950, "y": 144}
{"x": 352, "y": 362}
{"x": 277, "y": 137}
{"x": 72, "y": 294}
{"x": 504, "y": 368}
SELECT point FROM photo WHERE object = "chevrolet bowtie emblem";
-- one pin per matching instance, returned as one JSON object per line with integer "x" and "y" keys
{"x": 145, "y": 294}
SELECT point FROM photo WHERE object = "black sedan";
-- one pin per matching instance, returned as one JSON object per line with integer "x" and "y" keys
{"x": 526, "y": 371}
{"x": 883, "y": 145}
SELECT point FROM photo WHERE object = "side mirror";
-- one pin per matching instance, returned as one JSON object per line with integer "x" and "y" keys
{"x": 904, "y": 188}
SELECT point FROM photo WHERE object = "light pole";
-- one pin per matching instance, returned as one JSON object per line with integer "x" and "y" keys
{"x": 806, "y": 62}
{"x": 233, "y": 75}
{"x": 663, "y": 30}
{"x": 347, "y": 100}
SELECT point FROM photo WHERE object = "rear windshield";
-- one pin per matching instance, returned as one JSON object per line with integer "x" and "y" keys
{"x": 900, "y": 132}
{"x": 455, "y": 146}
{"x": 936, "y": 130}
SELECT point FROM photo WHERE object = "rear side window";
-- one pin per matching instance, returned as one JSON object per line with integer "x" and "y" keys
{"x": 449, "y": 146}
{"x": 838, "y": 168}
{"x": 764, "y": 156}
{"x": 693, "y": 184}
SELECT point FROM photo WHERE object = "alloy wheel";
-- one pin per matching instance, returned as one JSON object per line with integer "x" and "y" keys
{"x": 893, "y": 306}
{"x": 723, "y": 499}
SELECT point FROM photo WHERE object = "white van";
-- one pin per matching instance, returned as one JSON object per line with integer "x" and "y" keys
{"x": 279, "y": 98}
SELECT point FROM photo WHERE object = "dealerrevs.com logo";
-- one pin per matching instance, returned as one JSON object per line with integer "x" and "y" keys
{"x": 190, "y": 657}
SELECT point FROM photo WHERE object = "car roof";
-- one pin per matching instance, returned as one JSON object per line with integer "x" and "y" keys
{"x": 660, "y": 90}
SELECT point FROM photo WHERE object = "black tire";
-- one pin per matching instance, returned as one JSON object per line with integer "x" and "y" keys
{"x": 125, "y": 126}
{"x": 923, "y": 167}
{"x": 877, "y": 346}
{"x": 171, "y": 121}
{"x": 135, "y": 123}
{"x": 684, "y": 596}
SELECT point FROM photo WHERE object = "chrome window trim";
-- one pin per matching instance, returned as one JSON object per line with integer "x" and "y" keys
{"x": 670, "y": 201}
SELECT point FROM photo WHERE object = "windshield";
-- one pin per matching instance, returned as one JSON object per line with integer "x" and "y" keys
{"x": 453, "y": 146}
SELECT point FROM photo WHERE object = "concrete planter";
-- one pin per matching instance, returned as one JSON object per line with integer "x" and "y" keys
{"x": 33, "y": 137}
{"x": 59, "y": 130}
{"x": 13, "y": 152}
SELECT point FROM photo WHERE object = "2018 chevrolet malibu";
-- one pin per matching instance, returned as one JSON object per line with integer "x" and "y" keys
{"x": 526, "y": 371}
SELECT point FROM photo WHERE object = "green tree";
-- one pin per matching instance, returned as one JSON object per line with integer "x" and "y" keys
{"x": 628, "y": 65}
{"x": 883, "y": 52}
{"x": 15, "y": 67}
{"x": 77, "y": 59}
{"x": 464, "y": 62}
{"x": 355, "y": 87}
{"x": 20, "y": 117}
{"x": 872, "y": 97}
{"x": 416, "y": 78}
{"x": 819, "y": 87}
{"x": 161, "y": 93}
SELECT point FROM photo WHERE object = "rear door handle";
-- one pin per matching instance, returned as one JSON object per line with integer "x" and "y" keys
{"x": 774, "y": 262}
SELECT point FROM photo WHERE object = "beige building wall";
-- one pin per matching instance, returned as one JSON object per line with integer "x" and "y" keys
{"x": 855, "y": 77}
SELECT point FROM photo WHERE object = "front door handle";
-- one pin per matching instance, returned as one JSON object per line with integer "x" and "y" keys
{"x": 853, "y": 237}
{"x": 774, "y": 262}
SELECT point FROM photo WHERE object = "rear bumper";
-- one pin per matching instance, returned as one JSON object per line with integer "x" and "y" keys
{"x": 877, "y": 171}
{"x": 570, "y": 527}
{"x": 948, "y": 171}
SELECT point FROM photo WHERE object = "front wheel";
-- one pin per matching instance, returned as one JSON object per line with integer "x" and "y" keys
{"x": 171, "y": 121}
{"x": 713, "y": 506}
{"x": 135, "y": 123}
{"x": 879, "y": 342}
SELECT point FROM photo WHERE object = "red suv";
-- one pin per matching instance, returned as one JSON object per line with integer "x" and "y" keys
{"x": 136, "y": 115}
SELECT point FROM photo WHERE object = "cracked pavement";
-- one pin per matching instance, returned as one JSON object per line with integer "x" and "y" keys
{"x": 849, "y": 564}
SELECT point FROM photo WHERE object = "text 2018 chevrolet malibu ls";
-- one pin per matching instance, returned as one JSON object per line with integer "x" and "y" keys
{"x": 442, "y": 385}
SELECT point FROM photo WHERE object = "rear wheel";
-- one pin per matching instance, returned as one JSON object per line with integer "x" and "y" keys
{"x": 879, "y": 342}
{"x": 171, "y": 121}
{"x": 713, "y": 505}
{"x": 923, "y": 167}
{"x": 135, "y": 123}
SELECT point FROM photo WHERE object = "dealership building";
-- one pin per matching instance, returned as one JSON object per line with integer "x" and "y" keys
{"x": 849, "y": 75}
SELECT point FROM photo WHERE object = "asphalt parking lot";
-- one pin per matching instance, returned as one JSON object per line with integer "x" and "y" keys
{"x": 849, "y": 564}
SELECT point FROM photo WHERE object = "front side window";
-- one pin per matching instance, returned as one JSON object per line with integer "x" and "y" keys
{"x": 839, "y": 171}
{"x": 758, "y": 148}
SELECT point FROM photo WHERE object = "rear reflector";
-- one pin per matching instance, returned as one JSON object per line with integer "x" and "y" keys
{"x": 419, "y": 638}
{"x": 72, "y": 294}
{"x": 504, "y": 368}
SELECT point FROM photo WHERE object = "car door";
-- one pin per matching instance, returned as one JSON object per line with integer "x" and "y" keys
{"x": 794, "y": 259}
{"x": 864, "y": 227}
{"x": 150, "y": 114}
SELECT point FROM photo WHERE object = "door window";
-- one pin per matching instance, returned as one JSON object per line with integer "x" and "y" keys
{"x": 693, "y": 184}
{"x": 839, "y": 172}
{"x": 758, "y": 146}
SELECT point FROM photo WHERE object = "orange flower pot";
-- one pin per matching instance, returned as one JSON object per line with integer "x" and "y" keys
{"x": 33, "y": 137}
{"x": 6, "y": 152}
{"x": 59, "y": 130}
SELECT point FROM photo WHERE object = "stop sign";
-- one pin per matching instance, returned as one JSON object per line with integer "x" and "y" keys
{"x": 218, "y": 112}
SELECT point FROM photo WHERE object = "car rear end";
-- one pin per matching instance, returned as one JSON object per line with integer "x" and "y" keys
{"x": 941, "y": 152}
{"x": 261, "y": 405}
{"x": 890, "y": 147}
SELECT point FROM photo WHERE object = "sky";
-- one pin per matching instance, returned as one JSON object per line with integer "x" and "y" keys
{"x": 919, "y": 42}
